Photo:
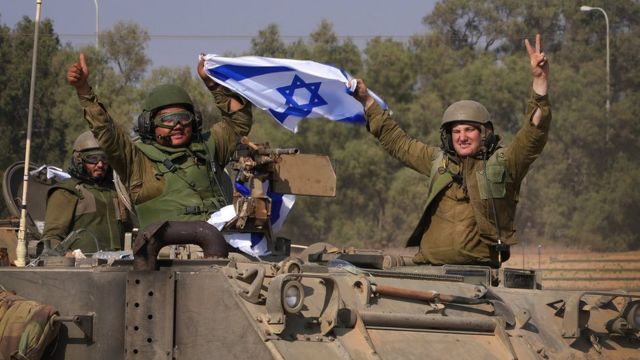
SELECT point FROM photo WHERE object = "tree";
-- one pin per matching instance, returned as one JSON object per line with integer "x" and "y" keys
{"x": 268, "y": 43}
{"x": 124, "y": 46}
{"x": 583, "y": 190}
{"x": 389, "y": 70}
{"x": 325, "y": 48}
{"x": 16, "y": 51}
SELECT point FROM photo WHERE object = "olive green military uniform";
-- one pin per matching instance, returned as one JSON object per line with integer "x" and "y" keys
{"x": 458, "y": 226}
{"x": 183, "y": 188}
{"x": 75, "y": 204}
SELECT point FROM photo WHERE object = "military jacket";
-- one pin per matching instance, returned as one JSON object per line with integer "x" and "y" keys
{"x": 192, "y": 181}
{"x": 141, "y": 173}
{"x": 75, "y": 204}
{"x": 457, "y": 225}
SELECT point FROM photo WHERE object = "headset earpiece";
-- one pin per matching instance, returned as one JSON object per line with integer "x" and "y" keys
{"x": 198, "y": 121}
{"x": 446, "y": 141}
{"x": 144, "y": 127}
{"x": 490, "y": 142}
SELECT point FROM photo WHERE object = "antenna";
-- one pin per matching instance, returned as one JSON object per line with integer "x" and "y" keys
{"x": 21, "y": 248}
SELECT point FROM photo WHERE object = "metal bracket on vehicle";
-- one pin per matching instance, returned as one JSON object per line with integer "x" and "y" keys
{"x": 252, "y": 293}
{"x": 570, "y": 323}
{"x": 83, "y": 322}
{"x": 276, "y": 317}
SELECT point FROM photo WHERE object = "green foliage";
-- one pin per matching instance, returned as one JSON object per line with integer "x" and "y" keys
{"x": 389, "y": 70}
{"x": 124, "y": 45}
{"x": 582, "y": 191}
{"x": 16, "y": 53}
{"x": 268, "y": 43}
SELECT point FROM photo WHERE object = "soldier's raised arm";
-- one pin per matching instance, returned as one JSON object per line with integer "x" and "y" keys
{"x": 411, "y": 152}
{"x": 539, "y": 72}
{"x": 237, "y": 117}
{"x": 113, "y": 139}
{"x": 234, "y": 104}
{"x": 78, "y": 76}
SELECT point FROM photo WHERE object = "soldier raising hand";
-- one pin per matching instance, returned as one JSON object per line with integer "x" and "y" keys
{"x": 473, "y": 180}
{"x": 174, "y": 172}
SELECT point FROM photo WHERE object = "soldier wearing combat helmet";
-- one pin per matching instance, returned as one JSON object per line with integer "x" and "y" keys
{"x": 86, "y": 203}
{"x": 174, "y": 173}
{"x": 473, "y": 182}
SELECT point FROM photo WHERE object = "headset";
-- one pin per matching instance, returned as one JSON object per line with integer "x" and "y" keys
{"x": 146, "y": 128}
{"x": 489, "y": 143}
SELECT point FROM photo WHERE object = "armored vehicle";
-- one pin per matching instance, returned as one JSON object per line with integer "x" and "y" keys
{"x": 324, "y": 302}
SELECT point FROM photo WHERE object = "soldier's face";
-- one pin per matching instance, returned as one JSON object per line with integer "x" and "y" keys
{"x": 179, "y": 136}
{"x": 466, "y": 139}
{"x": 96, "y": 171}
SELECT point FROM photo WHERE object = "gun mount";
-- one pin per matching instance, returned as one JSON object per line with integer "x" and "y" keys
{"x": 261, "y": 170}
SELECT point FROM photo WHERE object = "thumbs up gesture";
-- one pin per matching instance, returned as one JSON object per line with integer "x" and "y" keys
{"x": 78, "y": 76}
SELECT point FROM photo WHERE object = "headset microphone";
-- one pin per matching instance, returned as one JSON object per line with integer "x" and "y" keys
{"x": 165, "y": 138}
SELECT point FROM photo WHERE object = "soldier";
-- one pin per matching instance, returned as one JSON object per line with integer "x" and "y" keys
{"x": 473, "y": 181}
{"x": 88, "y": 201}
{"x": 175, "y": 172}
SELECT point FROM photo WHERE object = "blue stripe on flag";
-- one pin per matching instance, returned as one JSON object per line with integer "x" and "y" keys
{"x": 242, "y": 189}
{"x": 239, "y": 72}
{"x": 355, "y": 119}
{"x": 256, "y": 238}
{"x": 276, "y": 205}
{"x": 290, "y": 111}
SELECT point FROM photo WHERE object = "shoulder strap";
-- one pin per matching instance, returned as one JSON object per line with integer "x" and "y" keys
{"x": 160, "y": 158}
{"x": 438, "y": 181}
{"x": 436, "y": 162}
{"x": 498, "y": 157}
{"x": 439, "y": 176}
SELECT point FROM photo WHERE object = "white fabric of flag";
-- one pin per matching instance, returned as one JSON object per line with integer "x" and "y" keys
{"x": 290, "y": 90}
{"x": 254, "y": 244}
{"x": 52, "y": 172}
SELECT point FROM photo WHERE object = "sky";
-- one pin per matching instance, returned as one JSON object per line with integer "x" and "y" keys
{"x": 182, "y": 29}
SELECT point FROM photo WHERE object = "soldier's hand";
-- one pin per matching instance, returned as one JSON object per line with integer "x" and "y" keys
{"x": 208, "y": 82}
{"x": 361, "y": 93}
{"x": 539, "y": 62}
{"x": 539, "y": 66}
{"x": 78, "y": 76}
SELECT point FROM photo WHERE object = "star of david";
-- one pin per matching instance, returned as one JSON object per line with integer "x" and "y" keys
{"x": 297, "y": 83}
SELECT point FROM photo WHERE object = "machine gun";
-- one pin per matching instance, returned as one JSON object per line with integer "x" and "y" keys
{"x": 283, "y": 171}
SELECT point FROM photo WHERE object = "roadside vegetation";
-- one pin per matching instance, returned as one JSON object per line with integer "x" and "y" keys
{"x": 583, "y": 192}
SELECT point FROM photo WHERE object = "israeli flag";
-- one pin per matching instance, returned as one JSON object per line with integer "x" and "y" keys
{"x": 254, "y": 244}
{"x": 290, "y": 90}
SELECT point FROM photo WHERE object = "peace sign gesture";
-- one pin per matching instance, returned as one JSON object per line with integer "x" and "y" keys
{"x": 539, "y": 66}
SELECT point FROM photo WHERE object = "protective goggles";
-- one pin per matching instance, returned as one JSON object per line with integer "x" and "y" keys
{"x": 94, "y": 158}
{"x": 170, "y": 120}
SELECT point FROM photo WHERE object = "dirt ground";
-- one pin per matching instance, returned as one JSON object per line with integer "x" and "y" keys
{"x": 575, "y": 269}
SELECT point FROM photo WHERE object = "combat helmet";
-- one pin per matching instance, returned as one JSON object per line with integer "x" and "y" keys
{"x": 160, "y": 97}
{"x": 84, "y": 146}
{"x": 85, "y": 142}
{"x": 467, "y": 111}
